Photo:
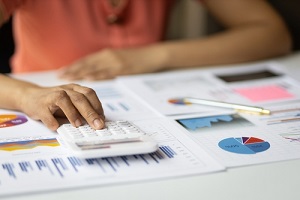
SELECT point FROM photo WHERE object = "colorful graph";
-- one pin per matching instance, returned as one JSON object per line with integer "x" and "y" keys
{"x": 11, "y": 120}
{"x": 179, "y": 102}
{"x": 244, "y": 145}
{"x": 220, "y": 122}
{"x": 63, "y": 165}
{"x": 28, "y": 144}
{"x": 195, "y": 123}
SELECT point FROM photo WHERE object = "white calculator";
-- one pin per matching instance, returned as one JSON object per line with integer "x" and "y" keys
{"x": 116, "y": 139}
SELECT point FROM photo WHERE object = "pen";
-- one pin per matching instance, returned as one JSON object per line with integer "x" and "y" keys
{"x": 238, "y": 107}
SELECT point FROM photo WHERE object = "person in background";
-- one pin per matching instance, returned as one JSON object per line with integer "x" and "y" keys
{"x": 101, "y": 39}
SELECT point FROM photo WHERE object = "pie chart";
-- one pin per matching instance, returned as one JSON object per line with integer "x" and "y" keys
{"x": 179, "y": 102}
{"x": 244, "y": 145}
{"x": 12, "y": 120}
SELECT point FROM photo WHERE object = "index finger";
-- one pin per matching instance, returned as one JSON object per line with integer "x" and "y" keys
{"x": 88, "y": 105}
{"x": 91, "y": 96}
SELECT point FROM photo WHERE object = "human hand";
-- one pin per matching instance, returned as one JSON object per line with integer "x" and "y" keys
{"x": 109, "y": 63}
{"x": 73, "y": 102}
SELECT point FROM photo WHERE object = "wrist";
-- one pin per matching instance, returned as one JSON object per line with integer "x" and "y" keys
{"x": 153, "y": 58}
{"x": 22, "y": 95}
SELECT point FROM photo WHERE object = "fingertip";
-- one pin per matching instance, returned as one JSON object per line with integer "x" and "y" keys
{"x": 50, "y": 122}
{"x": 53, "y": 126}
{"x": 77, "y": 123}
{"x": 98, "y": 123}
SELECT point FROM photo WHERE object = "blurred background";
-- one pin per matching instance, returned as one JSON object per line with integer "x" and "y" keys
{"x": 6, "y": 46}
{"x": 188, "y": 20}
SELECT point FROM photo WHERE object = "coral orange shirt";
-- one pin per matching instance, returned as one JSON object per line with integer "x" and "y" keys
{"x": 50, "y": 34}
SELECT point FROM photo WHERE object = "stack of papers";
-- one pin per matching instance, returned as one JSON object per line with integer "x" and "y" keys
{"x": 193, "y": 139}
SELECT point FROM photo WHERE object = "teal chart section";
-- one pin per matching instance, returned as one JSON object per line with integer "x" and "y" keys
{"x": 214, "y": 123}
{"x": 244, "y": 145}
{"x": 196, "y": 123}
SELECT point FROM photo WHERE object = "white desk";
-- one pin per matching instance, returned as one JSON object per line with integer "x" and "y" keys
{"x": 269, "y": 181}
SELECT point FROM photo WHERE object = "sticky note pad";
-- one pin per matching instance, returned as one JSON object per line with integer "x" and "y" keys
{"x": 264, "y": 93}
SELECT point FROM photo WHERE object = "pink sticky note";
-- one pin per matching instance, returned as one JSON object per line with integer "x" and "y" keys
{"x": 264, "y": 93}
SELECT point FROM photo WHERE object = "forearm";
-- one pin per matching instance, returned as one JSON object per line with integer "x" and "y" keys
{"x": 253, "y": 31}
{"x": 12, "y": 91}
{"x": 236, "y": 45}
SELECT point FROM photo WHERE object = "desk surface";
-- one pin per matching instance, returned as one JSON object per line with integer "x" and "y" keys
{"x": 278, "y": 180}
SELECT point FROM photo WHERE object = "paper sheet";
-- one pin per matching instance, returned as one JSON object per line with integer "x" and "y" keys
{"x": 33, "y": 159}
{"x": 158, "y": 89}
{"x": 192, "y": 139}
{"x": 232, "y": 138}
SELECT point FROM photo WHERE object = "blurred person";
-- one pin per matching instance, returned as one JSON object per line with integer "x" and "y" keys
{"x": 101, "y": 39}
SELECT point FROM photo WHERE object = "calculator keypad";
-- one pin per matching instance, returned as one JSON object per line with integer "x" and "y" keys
{"x": 116, "y": 139}
{"x": 114, "y": 132}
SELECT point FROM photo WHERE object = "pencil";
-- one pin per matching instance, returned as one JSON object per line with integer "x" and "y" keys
{"x": 238, "y": 107}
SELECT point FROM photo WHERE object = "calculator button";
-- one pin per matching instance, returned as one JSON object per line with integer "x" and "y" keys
{"x": 87, "y": 142}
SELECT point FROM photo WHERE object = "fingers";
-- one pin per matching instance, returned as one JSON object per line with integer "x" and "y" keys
{"x": 47, "y": 105}
{"x": 79, "y": 69}
{"x": 86, "y": 103}
{"x": 77, "y": 103}
{"x": 49, "y": 120}
{"x": 72, "y": 102}
{"x": 54, "y": 102}
{"x": 75, "y": 71}
{"x": 99, "y": 75}
{"x": 105, "y": 64}
{"x": 90, "y": 94}
{"x": 90, "y": 73}
{"x": 63, "y": 102}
